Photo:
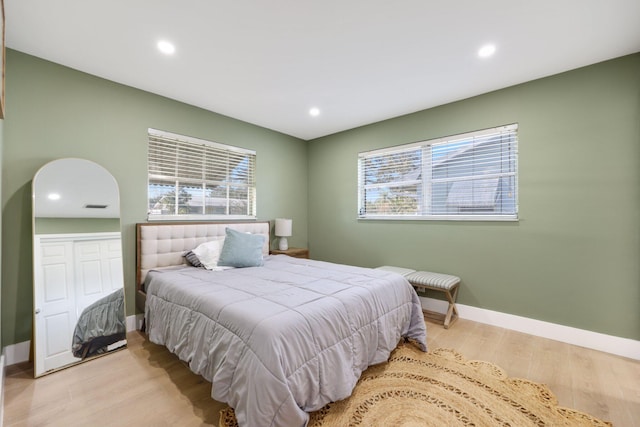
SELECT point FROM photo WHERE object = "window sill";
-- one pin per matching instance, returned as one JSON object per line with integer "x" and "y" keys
{"x": 200, "y": 218}
{"x": 474, "y": 218}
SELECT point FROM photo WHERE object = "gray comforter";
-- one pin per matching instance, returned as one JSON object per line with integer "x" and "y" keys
{"x": 284, "y": 339}
{"x": 100, "y": 325}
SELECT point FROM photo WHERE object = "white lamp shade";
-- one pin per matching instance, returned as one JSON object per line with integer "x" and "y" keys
{"x": 283, "y": 227}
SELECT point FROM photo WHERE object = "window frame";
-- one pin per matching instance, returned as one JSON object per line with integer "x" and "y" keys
{"x": 197, "y": 146}
{"x": 425, "y": 192}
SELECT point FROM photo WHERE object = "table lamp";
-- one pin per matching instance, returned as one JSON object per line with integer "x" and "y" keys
{"x": 283, "y": 230}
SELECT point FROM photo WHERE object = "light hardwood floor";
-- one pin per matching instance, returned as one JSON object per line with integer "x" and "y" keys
{"x": 145, "y": 385}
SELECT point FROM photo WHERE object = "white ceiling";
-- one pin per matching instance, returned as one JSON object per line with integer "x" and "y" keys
{"x": 358, "y": 61}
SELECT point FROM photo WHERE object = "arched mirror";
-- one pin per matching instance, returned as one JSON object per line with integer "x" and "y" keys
{"x": 77, "y": 261}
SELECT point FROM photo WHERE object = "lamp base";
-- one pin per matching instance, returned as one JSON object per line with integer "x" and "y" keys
{"x": 283, "y": 245}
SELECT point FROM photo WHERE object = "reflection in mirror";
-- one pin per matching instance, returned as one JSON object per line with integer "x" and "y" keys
{"x": 77, "y": 262}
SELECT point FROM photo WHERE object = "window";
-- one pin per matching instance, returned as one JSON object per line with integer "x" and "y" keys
{"x": 190, "y": 178}
{"x": 472, "y": 176}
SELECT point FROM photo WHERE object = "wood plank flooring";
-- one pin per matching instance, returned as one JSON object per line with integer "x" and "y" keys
{"x": 145, "y": 385}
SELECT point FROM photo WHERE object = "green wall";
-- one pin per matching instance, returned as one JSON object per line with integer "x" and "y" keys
{"x": 55, "y": 112}
{"x": 572, "y": 259}
{"x": 43, "y": 225}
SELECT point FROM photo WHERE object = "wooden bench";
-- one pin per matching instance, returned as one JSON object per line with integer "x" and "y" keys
{"x": 426, "y": 280}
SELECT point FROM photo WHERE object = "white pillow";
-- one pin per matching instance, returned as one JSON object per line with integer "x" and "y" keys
{"x": 209, "y": 252}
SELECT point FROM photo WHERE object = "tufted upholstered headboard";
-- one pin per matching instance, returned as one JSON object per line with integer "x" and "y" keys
{"x": 163, "y": 244}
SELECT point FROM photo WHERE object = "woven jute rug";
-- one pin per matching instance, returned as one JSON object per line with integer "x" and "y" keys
{"x": 441, "y": 388}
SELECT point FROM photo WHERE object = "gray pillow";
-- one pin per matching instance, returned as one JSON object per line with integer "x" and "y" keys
{"x": 193, "y": 259}
{"x": 242, "y": 249}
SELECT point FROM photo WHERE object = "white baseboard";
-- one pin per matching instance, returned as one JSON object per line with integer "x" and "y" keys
{"x": 17, "y": 353}
{"x": 2, "y": 365}
{"x": 594, "y": 340}
{"x": 134, "y": 322}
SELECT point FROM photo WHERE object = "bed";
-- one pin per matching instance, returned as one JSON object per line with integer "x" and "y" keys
{"x": 276, "y": 340}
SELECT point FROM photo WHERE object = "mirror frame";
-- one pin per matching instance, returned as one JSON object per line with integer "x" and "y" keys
{"x": 77, "y": 237}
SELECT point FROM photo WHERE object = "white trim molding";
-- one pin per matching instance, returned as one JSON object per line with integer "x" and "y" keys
{"x": 17, "y": 353}
{"x": 594, "y": 340}
{"x": 2, "y": 365}
{"x": 134, "y": 322}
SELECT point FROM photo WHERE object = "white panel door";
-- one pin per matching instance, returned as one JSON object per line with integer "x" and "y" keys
{"x": 98, "y": 265}
{"x": 71, "y": 272}
{"x": 55, "y": 316}
{"x": 113, "y": 256}
{"x": 90, "y": 273}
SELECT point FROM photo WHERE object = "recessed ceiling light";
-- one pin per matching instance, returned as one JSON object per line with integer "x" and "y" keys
{"x": 314, "y": 112}
{"x": 487, "y": 50}
{"x": 166, "y": 47}
{"x": 54, "y": 196}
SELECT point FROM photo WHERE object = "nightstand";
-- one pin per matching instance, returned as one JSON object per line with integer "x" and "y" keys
{"x": 292, "y": 252}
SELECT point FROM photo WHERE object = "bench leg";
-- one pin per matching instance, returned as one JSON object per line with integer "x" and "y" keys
{"x": 452, "y": 312}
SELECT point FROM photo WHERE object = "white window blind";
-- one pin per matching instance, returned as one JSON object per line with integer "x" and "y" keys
{"x": 191, "y": 178}
{"x": 471, "y": 176}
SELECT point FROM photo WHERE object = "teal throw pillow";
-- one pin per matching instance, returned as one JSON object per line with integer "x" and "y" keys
{"x": 242, "y": 249}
